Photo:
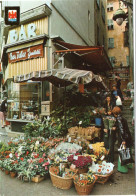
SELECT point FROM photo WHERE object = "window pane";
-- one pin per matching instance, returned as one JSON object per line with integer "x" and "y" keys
{"x": 45, "y": 91}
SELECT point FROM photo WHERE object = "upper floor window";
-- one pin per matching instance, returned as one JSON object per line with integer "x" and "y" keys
{"x": 110, "y": 7}
{"x": 127, "y": 58}
{"x": 126, "y": 38}
{"x": 111, "y": 43}
{"x": 103, "y": 13}
{"x": 112, "y": 60}
{"x": 110, "y": 24}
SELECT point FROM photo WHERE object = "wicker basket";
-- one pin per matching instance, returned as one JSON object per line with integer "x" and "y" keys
{"x": 84, "y": 189}
{"x": 102, "y": 179}
{"x": 81, "y": 171}
{"x": 60, "y": 182}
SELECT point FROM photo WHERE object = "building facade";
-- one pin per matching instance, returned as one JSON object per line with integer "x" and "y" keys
{"x": 118, "y": 44}
{"x": 30, "y": 46}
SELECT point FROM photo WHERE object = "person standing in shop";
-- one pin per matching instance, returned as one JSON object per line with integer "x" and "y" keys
{"x": 3, "y": 112}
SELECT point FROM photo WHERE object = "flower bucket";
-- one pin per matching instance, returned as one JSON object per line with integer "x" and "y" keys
{"x": 38, "y": 178}
{"x": 83, "y": 170}
{"x": 102, "y": 179}
{"x": 84, "y": 189}
{"x": 60, "y": 182}
{"x": 13, "y": 174}
{"x": 98, "y": 122}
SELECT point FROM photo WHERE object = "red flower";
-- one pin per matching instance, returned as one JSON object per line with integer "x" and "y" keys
{"x": 27, "y": 152}
{"x": 7, "y": 156}
{"x": 41, "y": 160}
{"x": 21, "y": 158}
{"x": 36, "y": 156}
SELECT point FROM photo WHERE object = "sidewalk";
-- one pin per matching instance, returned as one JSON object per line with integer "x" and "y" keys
{"x": 119, "y": 184}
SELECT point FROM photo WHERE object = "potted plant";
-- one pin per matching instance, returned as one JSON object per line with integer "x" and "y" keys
{"x": 80, "y": 162}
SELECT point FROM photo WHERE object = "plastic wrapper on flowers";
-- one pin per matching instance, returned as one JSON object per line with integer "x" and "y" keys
{"x": 102, "y": 169}
{"x": 66, "y": 147}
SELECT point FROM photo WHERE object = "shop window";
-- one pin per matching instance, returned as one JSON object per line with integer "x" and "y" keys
{"x": 112, "y": 60}
{"x": 126, "y": 39}
{"x": 110, "y": 24}
{"x": 24, "y": 100}
{"x": 103, "y": 13}
{"x": 110, "y": 7}
{"x": 127, "y": 58}
{"x": 45, "y": 91}
{"x": 111, "y": 43}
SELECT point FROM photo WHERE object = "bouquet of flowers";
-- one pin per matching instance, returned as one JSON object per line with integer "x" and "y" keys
{"x": 99, "y": 150}
{"x": 106, "y": 123}
{"x": 84, "y": 179}
{"x": 103, "y": 169}
{"x": 112, "y": 121}
{"x": 80, "y": 161}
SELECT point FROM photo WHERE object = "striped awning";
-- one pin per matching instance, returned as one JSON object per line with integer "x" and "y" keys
{"x": 63, "y": 77}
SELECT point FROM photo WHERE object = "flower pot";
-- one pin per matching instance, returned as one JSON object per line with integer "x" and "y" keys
{"x": 83, "y": 170}
{"x": 84, "y": 189}
{"x": 1, "y": 168}
{"x": 37, "y": 178}
{"x": 13, "y": 174}
{"x": 7, "y": 172}
{"x": 25, "y": 179}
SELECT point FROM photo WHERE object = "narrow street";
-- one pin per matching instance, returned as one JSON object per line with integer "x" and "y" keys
{"x": 119, "y": 184}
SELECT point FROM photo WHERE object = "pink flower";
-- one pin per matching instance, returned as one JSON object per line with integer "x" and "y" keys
{"x": 44, "y": 154}
{"x": 46, "y": 168}
{"x": 45, "y": 164}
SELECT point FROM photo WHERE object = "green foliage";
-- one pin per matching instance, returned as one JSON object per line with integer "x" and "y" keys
{"x": 4, "y": 147}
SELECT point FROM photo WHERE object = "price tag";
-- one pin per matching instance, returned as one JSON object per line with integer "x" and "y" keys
{"x": 69, "y": 139}
{"x": 90, "y": 146}
{"x": 102, "y": 157}
{"x": 75, "y": 157}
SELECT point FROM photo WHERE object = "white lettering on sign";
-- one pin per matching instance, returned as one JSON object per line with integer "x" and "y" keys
{"x": 13, "y": 36}
{"x": 31, "y": 28}
{"x": 21, "y": 54}
{"x": 22, "y": 34}
{"x": 12, "y": 57}
{"x": 27, "y": 53}
{"x": 35, "y": 52}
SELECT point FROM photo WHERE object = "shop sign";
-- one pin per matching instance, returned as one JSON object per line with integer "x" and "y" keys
{"x": 31, "y": 32}
{"x": 28, "y": 53}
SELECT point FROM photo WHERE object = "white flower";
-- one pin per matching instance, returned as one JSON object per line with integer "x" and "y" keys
{"x": 37, "y": 143}
{"x": 10, "y": 155}
{"x": 80, "y": 122}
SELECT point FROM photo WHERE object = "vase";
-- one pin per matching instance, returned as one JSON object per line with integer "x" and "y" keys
{"x": 13, "y": 174}
{"x": 7, "y": 172}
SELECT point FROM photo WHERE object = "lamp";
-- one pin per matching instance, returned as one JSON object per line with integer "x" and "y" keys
{"x": 119, "y": 16}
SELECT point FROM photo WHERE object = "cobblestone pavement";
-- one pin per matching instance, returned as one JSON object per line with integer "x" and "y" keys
{"x": 119, "y": 184}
